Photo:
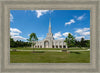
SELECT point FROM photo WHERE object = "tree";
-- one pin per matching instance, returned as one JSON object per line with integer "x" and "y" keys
{"x": 12, "y": 42}
{"x": 87, "y": 43}
{"x": 77, "y": 43}
{"x": 70, "y": 40}
{"x": 82, "y": 42}
{"x": 18, "y": 43}
{"x": 32, "y": 38}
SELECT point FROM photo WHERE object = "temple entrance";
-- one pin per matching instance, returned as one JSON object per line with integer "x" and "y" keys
{"x": 46, "y": 44}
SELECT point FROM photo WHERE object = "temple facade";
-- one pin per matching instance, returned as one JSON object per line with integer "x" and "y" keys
{"x": 49, "y": 41}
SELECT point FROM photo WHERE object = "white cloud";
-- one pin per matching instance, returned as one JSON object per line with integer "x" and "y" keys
{"x": 18, "y": 38}
{"x": 70, "y": 22}
{"x": 41, "y": 12}
{"x": 11, "y": 17}
{"x": 80, "y": 17}
{"x": 65, "y": 34}
{"x": 57, "y": 35}
{"x": 14, "y": 32}
{"x": 60, "y": 38}
{"x": 79, "y": 37}
{"x": 84, "y": 31}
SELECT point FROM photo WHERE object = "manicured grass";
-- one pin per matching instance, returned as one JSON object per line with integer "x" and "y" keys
{"x": 49, "y": 57}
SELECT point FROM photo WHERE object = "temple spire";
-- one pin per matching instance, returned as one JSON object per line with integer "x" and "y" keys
{"x": 49, "y": 25}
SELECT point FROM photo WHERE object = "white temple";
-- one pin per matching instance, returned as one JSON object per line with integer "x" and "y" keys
{"x": 49, "y": 41}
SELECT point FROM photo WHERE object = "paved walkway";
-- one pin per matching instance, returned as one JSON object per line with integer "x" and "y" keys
{"x": 79, "y": 50}
{"x": 51, "y": 50}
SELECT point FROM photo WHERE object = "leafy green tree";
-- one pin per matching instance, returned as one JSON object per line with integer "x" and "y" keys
{"x": 18, "y": 43}
{"x": 32, "y": 38}
{"x": 77, "y": 43}
{"x": 12, "y": 42}
{"x": 70, "y": 40}
{"x": 82, "y": 42}
{"x": 87, "y": 43}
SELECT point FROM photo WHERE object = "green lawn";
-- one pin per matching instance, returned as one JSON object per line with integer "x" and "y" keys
{"x": 49, "y": 57}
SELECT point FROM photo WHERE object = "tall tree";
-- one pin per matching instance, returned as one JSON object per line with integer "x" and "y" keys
{"x": 12, "y": 42}
{"x": 70, "y": 40}
{"x": 82, "y": 42}
{"x": 87, "y": 43}
{"x": 32, "y": 38}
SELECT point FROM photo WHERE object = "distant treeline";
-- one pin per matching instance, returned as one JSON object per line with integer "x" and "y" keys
{"x": 81, "y": 43}
{"x": 19, "y": 43}
{"x": 70, "y": 42}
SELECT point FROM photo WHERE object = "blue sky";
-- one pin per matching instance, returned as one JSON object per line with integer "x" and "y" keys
{"x": 25, "y": 22}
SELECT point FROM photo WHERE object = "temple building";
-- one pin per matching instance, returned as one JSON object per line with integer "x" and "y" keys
{"x": 49, "y": 41}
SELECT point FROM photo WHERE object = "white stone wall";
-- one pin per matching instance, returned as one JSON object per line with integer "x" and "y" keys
{"x": 52, "y": 44}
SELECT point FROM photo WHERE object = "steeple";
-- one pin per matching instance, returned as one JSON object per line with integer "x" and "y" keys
{"x": 49, "y": 34}
{"x": 49, "y": 25}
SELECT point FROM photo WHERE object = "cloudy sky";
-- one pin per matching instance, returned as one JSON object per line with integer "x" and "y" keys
{"x": 25, "y": 22}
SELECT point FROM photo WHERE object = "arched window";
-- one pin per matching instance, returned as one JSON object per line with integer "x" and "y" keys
{"x": 53, "y": 46}
{"x": 64, "y": 46}
{"x": 56, "y": 46}
{"x": 60, "y": 46}
{"x": 38, "y": 46}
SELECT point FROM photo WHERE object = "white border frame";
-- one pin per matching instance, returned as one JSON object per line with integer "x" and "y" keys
{"x": 6, "y": 6}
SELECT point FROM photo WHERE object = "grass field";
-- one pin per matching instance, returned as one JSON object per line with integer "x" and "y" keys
{"x": 49, "y": 57}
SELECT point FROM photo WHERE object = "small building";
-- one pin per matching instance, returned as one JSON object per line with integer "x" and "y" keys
{"x": 50, "y": 42}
